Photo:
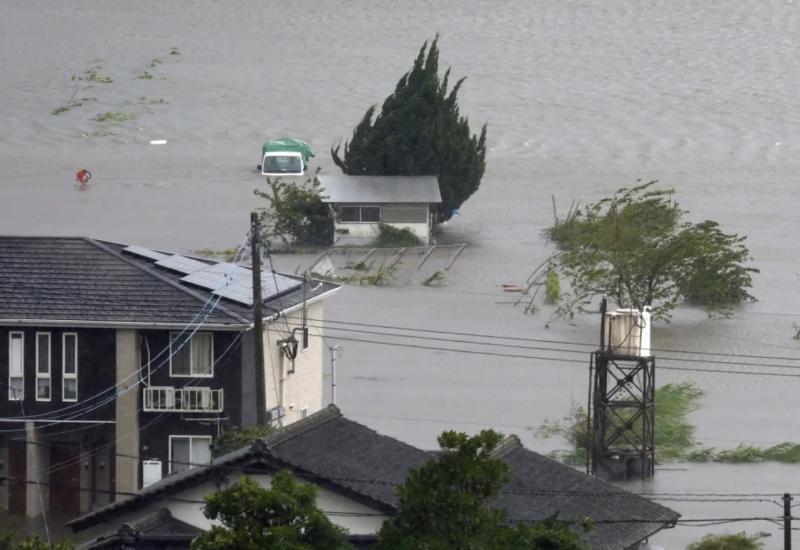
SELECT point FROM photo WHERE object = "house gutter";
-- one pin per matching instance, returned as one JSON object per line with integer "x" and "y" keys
{"x": 117, "y": 324}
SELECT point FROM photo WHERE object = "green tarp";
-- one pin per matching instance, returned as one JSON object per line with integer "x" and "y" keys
{"x": 288, "y": 144}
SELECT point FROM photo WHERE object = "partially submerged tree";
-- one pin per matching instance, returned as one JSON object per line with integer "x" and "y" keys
{"x": 418, "y": 132}
{"x": 296, "y": 213}
{"x": 739, "y": 541}
{"x": 637, "y": 248}
{"x": 445, "y": 504}
{"x": 283, "y": 516}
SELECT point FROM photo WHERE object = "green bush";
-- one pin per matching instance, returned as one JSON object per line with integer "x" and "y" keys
{"x": 739, "y": 541}
{"x": 389, "y": 237}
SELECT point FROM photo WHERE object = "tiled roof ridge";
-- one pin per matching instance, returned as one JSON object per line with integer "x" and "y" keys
{"x": 506, "y": 446}
{"x": 329, "y": 413}
{"x": 108, "y": 250}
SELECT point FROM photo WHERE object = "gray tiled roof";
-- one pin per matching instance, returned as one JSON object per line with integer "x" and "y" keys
{"x": 381, "y": 189}
{"x": 81, "y": 281}
{"x": 541, "y": 487}
{"x": 330, "y": 449}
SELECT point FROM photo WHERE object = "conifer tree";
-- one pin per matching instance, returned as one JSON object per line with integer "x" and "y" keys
{"x": 420, "y": 131}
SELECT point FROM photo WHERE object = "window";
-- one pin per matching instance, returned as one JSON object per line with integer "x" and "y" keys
{"x": 188, "y": 451}
{"x": 69, "y": 361}
{"x": 43, "y": 378}
{"x": 192, "y": 359}
{"x": 283, "y": 164}
{"x": 16, "y": 366}
{"x": 359, "y": 214}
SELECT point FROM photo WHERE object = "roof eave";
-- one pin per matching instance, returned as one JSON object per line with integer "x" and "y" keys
{"x": 82, "y": 323}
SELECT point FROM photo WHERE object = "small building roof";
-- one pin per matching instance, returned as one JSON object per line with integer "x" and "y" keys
{"x": 83, "y": 282}
{"x": 380, "y": 189}
{"x": 351, "y": 458}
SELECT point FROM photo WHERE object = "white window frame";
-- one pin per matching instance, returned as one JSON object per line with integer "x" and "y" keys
{"x": 192, "y": 373}
{"x": 13, "y": 396}
{"x": 49, "y": 374}
{"x": 192, "y": 465}
{"x": 68, "y": 376}
{"x": 360, "y": 212}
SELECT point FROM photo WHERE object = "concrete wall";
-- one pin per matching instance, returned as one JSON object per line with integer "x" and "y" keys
{"x": 38, "y": 460}
{"x": 126, "y": 409}
{"x": 301, "y": 389}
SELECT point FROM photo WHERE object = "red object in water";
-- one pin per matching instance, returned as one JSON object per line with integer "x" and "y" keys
{"x": 83, "y": 176}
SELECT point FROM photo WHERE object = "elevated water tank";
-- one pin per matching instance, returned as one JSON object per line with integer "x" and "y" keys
{"x": 627, "y": 333}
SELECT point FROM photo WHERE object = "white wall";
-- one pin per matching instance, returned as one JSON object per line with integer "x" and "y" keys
{"x": 358, "y": 519}
{"x": 301, "y": 389}
{"x": 369, "y": 231}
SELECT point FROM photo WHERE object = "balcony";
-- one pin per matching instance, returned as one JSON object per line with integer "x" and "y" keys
{"x": 184, "y": 400}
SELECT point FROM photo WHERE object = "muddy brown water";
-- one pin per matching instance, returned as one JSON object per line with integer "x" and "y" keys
{"x": 580, "y": 97}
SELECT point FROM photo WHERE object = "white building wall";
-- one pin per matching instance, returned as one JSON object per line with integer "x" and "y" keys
{"x": 369, "y": 231}
{"x": 301, "y": 389}
{"x": 187, "y": 506}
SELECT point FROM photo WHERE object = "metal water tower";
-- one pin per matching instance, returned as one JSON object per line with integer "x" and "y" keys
{"x": 622, "y": 398}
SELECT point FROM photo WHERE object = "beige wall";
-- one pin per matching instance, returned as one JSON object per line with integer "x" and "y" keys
{"x": 301, "y": 389}
{"x": 127, "y": 413}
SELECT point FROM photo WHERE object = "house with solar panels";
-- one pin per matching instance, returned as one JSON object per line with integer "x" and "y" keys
{"x": 120, "y": 365}
{"x": 362, "y": 203}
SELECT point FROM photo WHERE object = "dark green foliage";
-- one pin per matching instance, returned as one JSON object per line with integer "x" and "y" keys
{"x": 552, "y": 287}
{"x": 444, "y": 504}
{"x": 740, "y": 541}
{"x": 7, "y": 542}
{"x": 389, "y": 236}
{"x": 296, "y": 213}
{"x": 419, "y": 132}
{"x": 788, "y": 453}
{"x": 236, "y": 438}
{"x": 636, "y": 248}
{"x": 284, "y": 516}
{"x": 674, "y": 434}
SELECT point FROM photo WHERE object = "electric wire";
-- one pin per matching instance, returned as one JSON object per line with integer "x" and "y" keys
{"x": 549, "y": 341}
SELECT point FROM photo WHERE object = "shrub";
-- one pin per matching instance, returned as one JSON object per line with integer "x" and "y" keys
{"x": 389, "y": 236}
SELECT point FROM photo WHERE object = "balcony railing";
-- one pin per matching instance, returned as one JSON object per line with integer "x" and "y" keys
{"x": 168, "y": 399}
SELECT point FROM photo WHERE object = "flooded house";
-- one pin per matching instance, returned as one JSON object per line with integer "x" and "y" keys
{"x": 361, "y": 204}
{"x": 120, "y": 365}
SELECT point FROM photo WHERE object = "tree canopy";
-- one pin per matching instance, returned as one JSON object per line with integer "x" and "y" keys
{"x": 296, "y": 213}
{"x": 637, "y": 248}
{"x": 445, "y": 504}
{"x": 420, "y": 131}
{"x": 284, "y": 516}
{"x": 739, "y": 541}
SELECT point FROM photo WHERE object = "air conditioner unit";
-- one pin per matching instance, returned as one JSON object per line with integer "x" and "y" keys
{"x": 627, "y": 333}
{"x": 151, "y": 472}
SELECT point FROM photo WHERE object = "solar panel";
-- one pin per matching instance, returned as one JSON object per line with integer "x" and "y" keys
{"x": 217, "y": 276}
{"x": 181, "y": 264}
{"x": 242, "y": 290}
{"x": 144, "y": 252}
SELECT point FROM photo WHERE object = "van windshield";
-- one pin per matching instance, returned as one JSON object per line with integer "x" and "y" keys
{"x": 283, "y": 164}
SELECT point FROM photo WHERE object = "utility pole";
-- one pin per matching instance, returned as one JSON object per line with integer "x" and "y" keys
{"x": 787, "y": 521}
{"x": 336, "y": 352}
{"x": 258, "y": 321}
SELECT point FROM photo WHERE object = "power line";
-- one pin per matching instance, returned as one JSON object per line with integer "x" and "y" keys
{"x": 550, "y": 349}
{"x": 551, "y": 359}
{"x": 546, "y": 341}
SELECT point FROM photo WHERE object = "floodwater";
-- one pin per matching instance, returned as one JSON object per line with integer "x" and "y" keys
{"x": 581, "y": 98}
